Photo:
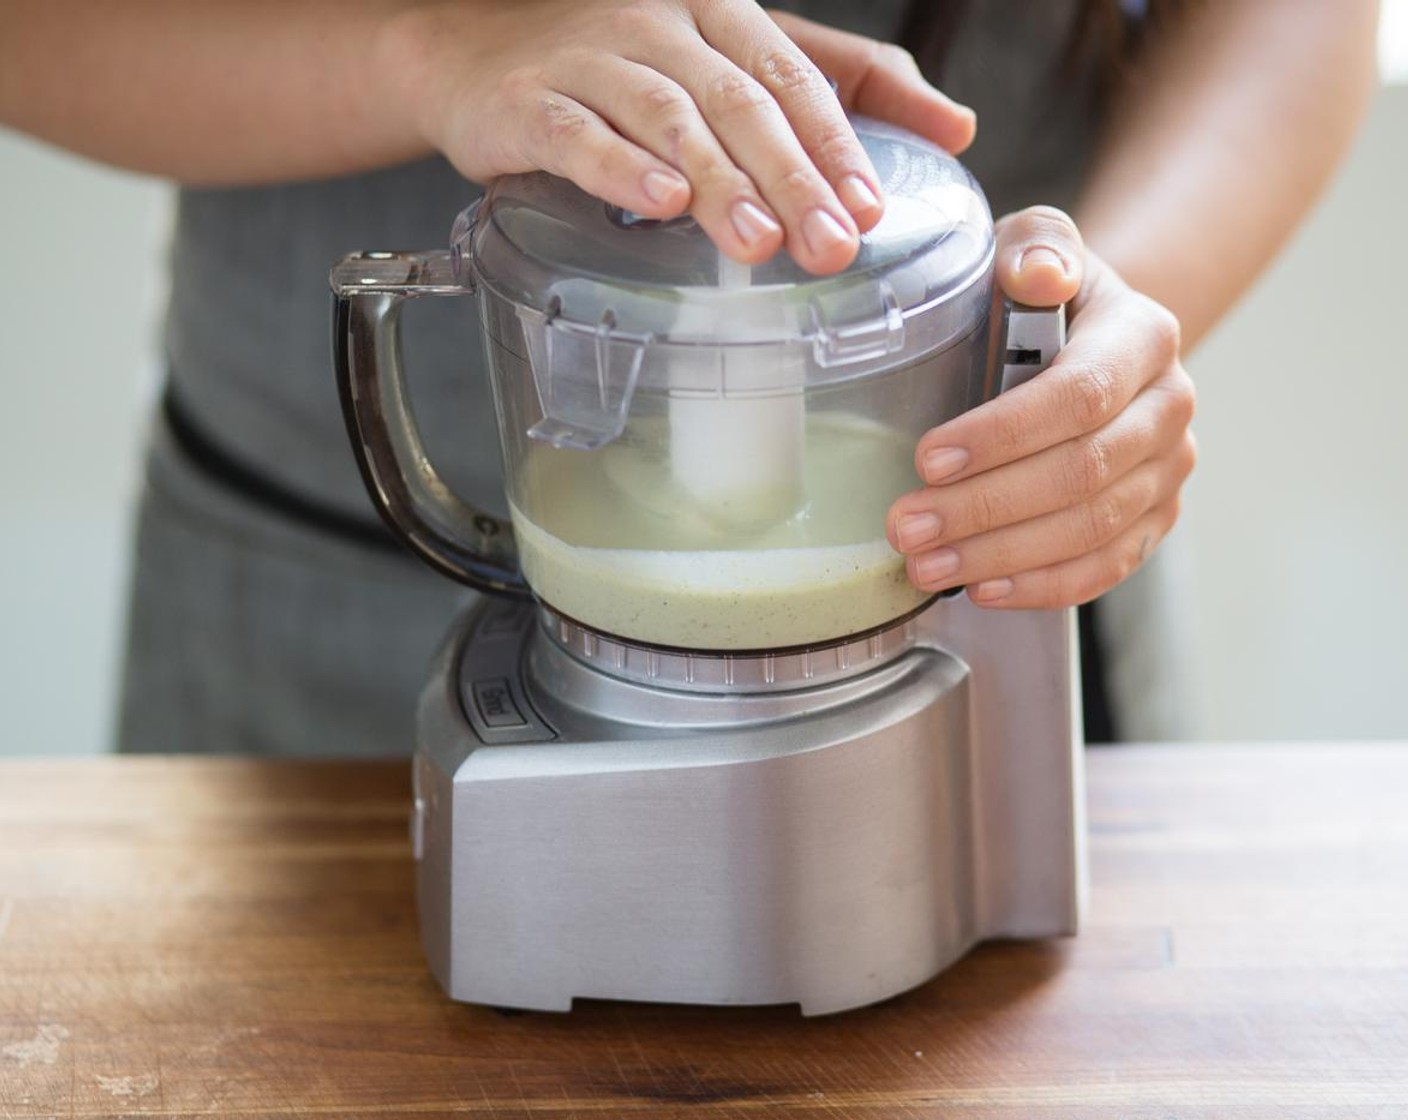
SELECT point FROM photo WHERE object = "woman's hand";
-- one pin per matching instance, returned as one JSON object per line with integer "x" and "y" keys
{"x": 1056, "y": 491}
{"x": 663, "y": 106}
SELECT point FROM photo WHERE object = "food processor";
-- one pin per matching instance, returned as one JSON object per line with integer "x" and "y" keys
{"x": 702, "y": 741}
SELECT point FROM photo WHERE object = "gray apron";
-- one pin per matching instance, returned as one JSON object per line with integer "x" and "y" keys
{"x": 253, "y": 629}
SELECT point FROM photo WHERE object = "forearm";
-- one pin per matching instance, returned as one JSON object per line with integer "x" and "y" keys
{"x": 1222, "y": 143}
{"x": 239, "y": 91}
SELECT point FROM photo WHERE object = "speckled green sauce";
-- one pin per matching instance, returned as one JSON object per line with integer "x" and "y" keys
{"x": 615, "y": 542}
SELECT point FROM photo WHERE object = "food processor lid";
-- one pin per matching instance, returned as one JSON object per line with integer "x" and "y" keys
{"x": 568, "y": 260}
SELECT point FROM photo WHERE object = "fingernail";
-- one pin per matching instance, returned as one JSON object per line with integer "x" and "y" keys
{"x": 660, "y": 186}
{"x": 1035, "y": 255}
{"x": 856, "y": 194}
{"x": 914, "y": 529}
{"x": 752, "y": 224}
{"x": 935, "y": 567}
{"x": 990, "y": 590}
{"x": 822, "y": 232}
{"x": 945, "y": 462}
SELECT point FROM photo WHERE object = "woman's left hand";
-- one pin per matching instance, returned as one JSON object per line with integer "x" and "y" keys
{"x": 1057, "y": 490}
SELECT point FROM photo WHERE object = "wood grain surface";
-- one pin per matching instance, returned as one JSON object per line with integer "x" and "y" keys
{"x": 187, "y": 937}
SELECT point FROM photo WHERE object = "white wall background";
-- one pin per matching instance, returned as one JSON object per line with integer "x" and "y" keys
{"x": 1298, "y": 515}
{"x": 79, "y": 305}
{"x": 1298, "y": 511}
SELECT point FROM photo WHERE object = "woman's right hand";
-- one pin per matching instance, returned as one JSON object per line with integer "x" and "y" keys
{"x": 666, "y": 106}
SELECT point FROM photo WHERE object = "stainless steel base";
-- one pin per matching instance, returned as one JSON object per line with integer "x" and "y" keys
{"x": 583, "y": 835}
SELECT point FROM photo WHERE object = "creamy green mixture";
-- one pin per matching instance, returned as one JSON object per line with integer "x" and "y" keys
{"x": 616, "y": 542}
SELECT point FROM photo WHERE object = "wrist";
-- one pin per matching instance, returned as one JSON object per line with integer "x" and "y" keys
{"x": 426, "y": 59}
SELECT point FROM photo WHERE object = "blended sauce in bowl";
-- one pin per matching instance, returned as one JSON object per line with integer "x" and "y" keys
{"x": 616, "y": 542}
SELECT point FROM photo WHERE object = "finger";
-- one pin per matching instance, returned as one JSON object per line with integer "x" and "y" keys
{"x": 745, "y": 34}
{"x": 1085, "y": 578}
{"x": 883, "y": 81}
{"x": 1055, "y": 479}
{"x": 561, "y": 135}
{"x": 1053, "y": 538}
{"x": 659, "y": 115}
{"x": 1040, "y": 256}
{"x": 821, "y": 235}
{"x": 1120, "y": 342}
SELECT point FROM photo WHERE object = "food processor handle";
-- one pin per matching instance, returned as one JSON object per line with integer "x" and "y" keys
{"x": 1030, "y": 339}
{"x": 444, "y": 530}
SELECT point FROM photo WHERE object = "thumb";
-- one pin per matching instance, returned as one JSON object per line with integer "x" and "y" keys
{"x": 1040, "y": 256}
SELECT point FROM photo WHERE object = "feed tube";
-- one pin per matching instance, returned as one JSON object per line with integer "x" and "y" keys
{"x": 737, "y": 451}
